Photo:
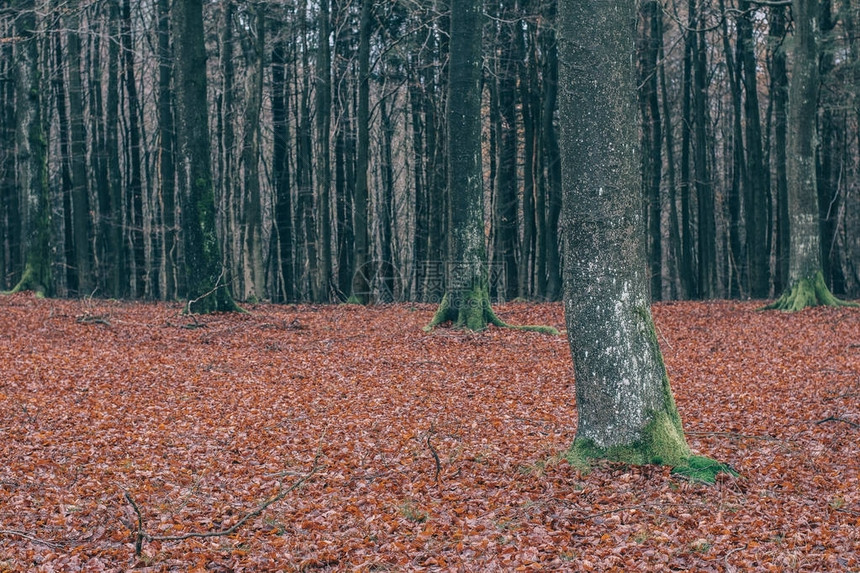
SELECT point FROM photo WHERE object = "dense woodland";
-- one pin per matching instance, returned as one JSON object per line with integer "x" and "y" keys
{"x": 318, "y": 131}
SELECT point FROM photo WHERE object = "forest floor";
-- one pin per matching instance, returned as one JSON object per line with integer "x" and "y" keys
{"x": 379, "y": 447}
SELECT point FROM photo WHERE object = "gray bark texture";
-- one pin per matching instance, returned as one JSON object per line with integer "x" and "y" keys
{"x": 624, "y": 403}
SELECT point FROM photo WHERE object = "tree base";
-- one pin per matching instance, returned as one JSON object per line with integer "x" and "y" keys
{"x": 29, "y": 281}
{"x": 693, "y": 468}
{"x": 807, "y": 292}
{"x": 475, "y": 313}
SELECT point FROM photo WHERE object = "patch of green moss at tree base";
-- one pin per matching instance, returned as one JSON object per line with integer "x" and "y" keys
{"x": 807, "y": 292}
{"x": 703, "y": 469}
{"x": 661, "y": 443}
{"x": 475, "y": 312}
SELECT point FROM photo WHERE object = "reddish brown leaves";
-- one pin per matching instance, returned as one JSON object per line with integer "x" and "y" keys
{"x": 200, "y": 425}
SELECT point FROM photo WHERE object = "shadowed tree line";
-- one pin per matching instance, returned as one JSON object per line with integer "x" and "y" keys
{"x": 299, "y": 151}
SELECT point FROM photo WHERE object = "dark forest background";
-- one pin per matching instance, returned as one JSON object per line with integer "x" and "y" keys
{"x": 327, "y": 146}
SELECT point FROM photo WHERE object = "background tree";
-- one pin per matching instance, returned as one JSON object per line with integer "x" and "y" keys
{"x": 467, "y": 299}
{"x": 32, "y": 149}
{"x": 806, "y": 286}
{"x": 204, "y": 274}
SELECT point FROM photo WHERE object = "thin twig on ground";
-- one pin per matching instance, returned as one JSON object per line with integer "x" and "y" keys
{"x": 33, "y": 538}
{"x": 141, "y": 535}
{"x": 837, "y": 419}
{"x": 435, "y": 455}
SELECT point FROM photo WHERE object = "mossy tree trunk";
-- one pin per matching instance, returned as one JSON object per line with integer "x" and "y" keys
{"x": 806, "y": 286}
{"x": 466, "y": 300}
{"x": 207, "y": 290}
{"x": 624, "y": 403}
{"x": 32, "y": 151}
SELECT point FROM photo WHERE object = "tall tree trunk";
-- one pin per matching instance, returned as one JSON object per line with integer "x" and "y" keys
{"x": 66, "y": 182}
{"x": 829, "y": 192}
{"x": 652, "y": 142}
{"x": 228, "y": 180}
{"x": 32, "y": 157}
{"x": 687, "y": 272}
{"x": 135, "y": 185}
{"x": 552, "y": 152}
{"x": 167, "y": 151}
{"x": 310, "y": 287}
{"x": 624, "y": 403}
{"x": 531, "y": 161}
{"x": 323, "y": 123}
{"x": 81, "y": 220}
{"x": 466, "y": 300}
{"x": 360, "y": 291}
{"x": 736, "y": 255}
{"x": 674, "y": 227}
{"x": 10, "y": 220}
{"x": 757, "y": 181}
{"x": 206, "y": 288}
{"x": 115, "y": 209}
{"x": 283, "y": 223}
{"x": 506, "y": 202}
{"x": 806, "y": 286}
{"x": 707, "y": 250}
{"x": 779, "y": 93}
{"x": 252, "y": 240}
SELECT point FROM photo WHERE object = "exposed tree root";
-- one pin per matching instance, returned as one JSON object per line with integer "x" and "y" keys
{"x": 807, "y": 292}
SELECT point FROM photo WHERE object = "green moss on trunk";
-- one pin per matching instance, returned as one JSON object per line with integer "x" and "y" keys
{"x": 472, "y": 310}
{"x": 807, "y": 292}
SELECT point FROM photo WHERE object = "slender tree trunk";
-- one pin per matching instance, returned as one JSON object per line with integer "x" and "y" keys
{"x": 736, "y": 255}
{"x": 829, "y": 192}
{"x": 323, "y": 122}
{"x": 229, "y": 199}
{"x": 506, "y": 204}
{"x": 707, "y": 234}
{"x": 81, "y": 220}
{"x": 10, "y": 220}
{"x": 66, "y": 181}
{"x": 531, "y": 163}
{"x": 304, "y": 172}
{"x": 360, "y": 291}
{"x": 135, "y": 185}
{"x": 252, "y": 240}
{"x": 281, "y": 174}
{"x": 687, "y": 272}
{"x": 757, "y": 180}
{"x": 652, "y": 141}
{"x": 552, "y": 152}
{"x": 167, "y": 151}
{"x": 779, "y": 93}
{"x": 674, "y": 227}
{"x": 116, "y": 210}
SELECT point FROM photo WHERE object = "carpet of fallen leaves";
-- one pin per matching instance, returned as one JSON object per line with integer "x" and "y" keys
{"x": 430, "y": 451}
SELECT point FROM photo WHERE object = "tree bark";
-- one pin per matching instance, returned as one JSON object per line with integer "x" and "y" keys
{"x": 624, "y": 402}
{"x": 252, "y": 232}
{"x": 32, "y": 155}
{"x": 806, "y": 286}
{"x": 207, "y": 290}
